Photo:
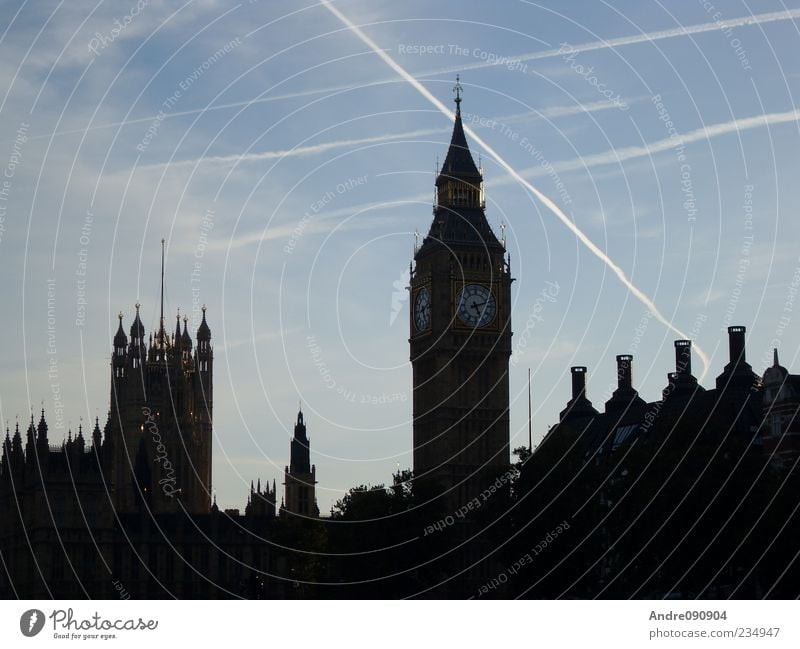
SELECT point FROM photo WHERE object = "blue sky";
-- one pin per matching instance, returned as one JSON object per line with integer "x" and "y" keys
{"x": 270, "y": 145}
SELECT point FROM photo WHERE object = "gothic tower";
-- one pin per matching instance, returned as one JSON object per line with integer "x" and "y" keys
{"x": 158, "y": 435}
{"x": 300, "y": 476}
{"x": 460, "y": 336}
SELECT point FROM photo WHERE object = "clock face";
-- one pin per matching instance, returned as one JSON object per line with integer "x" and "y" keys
{"x": 475, "y": 305}
{"x": 422, "y": 309}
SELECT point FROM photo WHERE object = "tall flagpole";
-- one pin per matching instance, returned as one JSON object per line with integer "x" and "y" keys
{"x": 162, "y": 287}
{"x": 530, "y": 425}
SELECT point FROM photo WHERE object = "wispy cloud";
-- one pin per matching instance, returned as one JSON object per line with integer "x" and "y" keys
{"x": 351, "y": 143}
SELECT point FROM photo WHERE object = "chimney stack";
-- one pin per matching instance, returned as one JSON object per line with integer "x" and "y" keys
{"x": 736, "y": 344}
{"x": 624, "y": 381}
{"x": 578, "y": 382}
{"x": 683, "y": 357}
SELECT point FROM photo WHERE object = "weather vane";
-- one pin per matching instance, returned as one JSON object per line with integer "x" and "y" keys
{"x": 458, "y": 89}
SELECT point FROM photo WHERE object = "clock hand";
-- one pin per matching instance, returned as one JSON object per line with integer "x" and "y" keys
{"x": 475, "y": 306}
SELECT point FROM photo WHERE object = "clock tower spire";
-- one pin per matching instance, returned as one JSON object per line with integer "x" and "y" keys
{"x": 460, "y": 339}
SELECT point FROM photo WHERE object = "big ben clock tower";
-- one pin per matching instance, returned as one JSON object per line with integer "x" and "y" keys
{"x": 460, "y": 336}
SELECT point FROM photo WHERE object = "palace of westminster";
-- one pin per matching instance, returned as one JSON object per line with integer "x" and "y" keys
{"x": 129, "y": 502}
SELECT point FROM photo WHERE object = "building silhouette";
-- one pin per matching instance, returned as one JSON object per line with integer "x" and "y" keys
{"x": 689, "y": 495}
{"x": 130, "y": 509}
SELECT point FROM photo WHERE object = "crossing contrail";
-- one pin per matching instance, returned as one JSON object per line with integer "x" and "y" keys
{"x": 635, "y": 39}
{"x": 621, "y": 41}
{"x": 635, "y": 291}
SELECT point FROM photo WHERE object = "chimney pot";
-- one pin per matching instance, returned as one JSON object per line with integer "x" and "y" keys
{"x": 736, "y": 344}
{"x": 578, "y": 382}
{"x": 624, "y": 380}
{"x": 683, "y": 357}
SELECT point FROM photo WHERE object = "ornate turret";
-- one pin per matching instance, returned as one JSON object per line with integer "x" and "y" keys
{"x": 80, "y": 442}
{"x": 300, "y": 475}
{"x": 30, "y": 442}
{"x": 120, "y": 339}
{"x": 203, "y": 331}
{"x": 119, "y": 357}
{"x": 186, "y": 342}
{"x": 177, "y": 339}
{"x": 16, "y": 444}
{"x": 459, "y": 210}
{"x": 459, "y": 183}
{"x": 774, "y": 376}
{"x": 6, "y": 451}
{"x": 41, "y": 437}
{"x": 97, "y": 436}
{"x": 300, "y": 455}
{"x": 137, "y": 350}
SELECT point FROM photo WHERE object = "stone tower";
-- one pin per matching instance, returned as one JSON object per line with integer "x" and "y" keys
{"x": 158, "y": 433}
{"x": 300, "y": 476}
{"x": 460, "y": 336}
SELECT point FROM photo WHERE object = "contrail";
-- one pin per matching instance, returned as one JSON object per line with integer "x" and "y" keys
{"x": 322, "y": 147}
{"x": 615, "y": 156}
{"x": 640, "y": 295}
{"x": 621, "y": 41}
{"x": 688, "y": 30}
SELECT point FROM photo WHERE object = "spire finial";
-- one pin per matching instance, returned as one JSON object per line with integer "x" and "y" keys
{"x": 162, "y": 289}
{"x": 458, "y": 89}
{"x": 775, "y": 357}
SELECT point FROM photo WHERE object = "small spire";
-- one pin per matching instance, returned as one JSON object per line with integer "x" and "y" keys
{"x": 774, "y": 357}
{"x": 458, "y": 163}
{"x": 203, "y": 331}
{"x": 177, "y": 336}
{"x": 137, "y": 328}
